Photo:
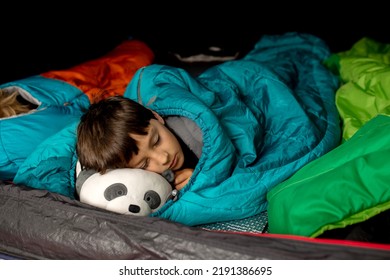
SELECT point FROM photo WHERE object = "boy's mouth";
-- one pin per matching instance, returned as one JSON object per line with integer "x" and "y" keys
{"x": 173, "y": 163}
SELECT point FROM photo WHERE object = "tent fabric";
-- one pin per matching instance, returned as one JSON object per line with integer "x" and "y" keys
{"x": 38, "y": 224}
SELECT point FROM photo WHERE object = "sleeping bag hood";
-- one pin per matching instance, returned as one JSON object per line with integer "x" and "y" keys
{"x": 261, "y": 119}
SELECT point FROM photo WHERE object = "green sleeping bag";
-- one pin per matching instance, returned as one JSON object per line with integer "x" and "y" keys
{"x": 348, "y": 185}
{"x": 364, "y": 71}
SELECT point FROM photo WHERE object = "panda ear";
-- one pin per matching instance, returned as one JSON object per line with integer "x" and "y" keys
{"x": 82, "y": 177}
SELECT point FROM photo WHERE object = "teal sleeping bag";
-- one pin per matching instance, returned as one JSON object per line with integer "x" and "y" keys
{"x": 262, "y": 118}
{"x": 59, "y": 105}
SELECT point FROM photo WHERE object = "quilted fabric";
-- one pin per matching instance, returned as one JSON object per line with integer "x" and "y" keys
{"x": 364, "y": 71}
{"x": 60, "y": 104}
{"x": 52, "y": 165}
{"x": 262, "y": 118}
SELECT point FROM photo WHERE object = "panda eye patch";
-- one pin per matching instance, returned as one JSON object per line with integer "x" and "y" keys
{"x": 114, "y": 191}
{"x": 153, "y": 199}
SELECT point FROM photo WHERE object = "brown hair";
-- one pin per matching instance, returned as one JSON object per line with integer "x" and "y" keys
{"x": 103, "y": 140}
{"x": 11, "y": 106}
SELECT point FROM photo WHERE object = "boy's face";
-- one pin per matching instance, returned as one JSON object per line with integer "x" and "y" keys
{"x": 159, "y": 150}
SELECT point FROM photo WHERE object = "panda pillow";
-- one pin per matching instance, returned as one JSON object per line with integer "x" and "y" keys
{"x": 128, "y": 191}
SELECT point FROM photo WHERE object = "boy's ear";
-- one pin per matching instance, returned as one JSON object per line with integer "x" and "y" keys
{"x": 158, "y": 117}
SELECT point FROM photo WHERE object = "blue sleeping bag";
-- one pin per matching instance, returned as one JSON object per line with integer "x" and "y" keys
{"x": 59, "y": 105}
{"x": 262, "y": 118}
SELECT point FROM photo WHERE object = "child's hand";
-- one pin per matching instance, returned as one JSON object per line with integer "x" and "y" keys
{"x": 182, "y": 177}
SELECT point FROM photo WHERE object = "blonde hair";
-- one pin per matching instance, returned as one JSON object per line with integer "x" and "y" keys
{"x": 10, "y": 106}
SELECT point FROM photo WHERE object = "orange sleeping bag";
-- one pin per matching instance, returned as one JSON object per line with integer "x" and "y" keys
{"x": 108, "y": 75}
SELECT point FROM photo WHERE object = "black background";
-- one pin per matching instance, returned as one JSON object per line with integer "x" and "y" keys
{"x": 37, "y": 39}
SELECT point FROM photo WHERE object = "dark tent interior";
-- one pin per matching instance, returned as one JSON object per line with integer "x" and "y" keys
{"x": 41, "y": 40}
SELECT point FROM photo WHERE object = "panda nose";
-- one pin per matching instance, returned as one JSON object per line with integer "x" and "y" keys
{"x": 134, "y": 208}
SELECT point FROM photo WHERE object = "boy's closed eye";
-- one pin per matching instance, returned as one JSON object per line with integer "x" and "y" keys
{"x": 144, "y": 164}
{"x": 156, "y": 140}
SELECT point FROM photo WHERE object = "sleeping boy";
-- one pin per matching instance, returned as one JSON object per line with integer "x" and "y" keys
{"x": 118, "y": 132}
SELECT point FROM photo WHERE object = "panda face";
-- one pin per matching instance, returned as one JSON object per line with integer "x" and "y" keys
{"x": 117, "y": 190}
{"x": 126, "y": 191}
